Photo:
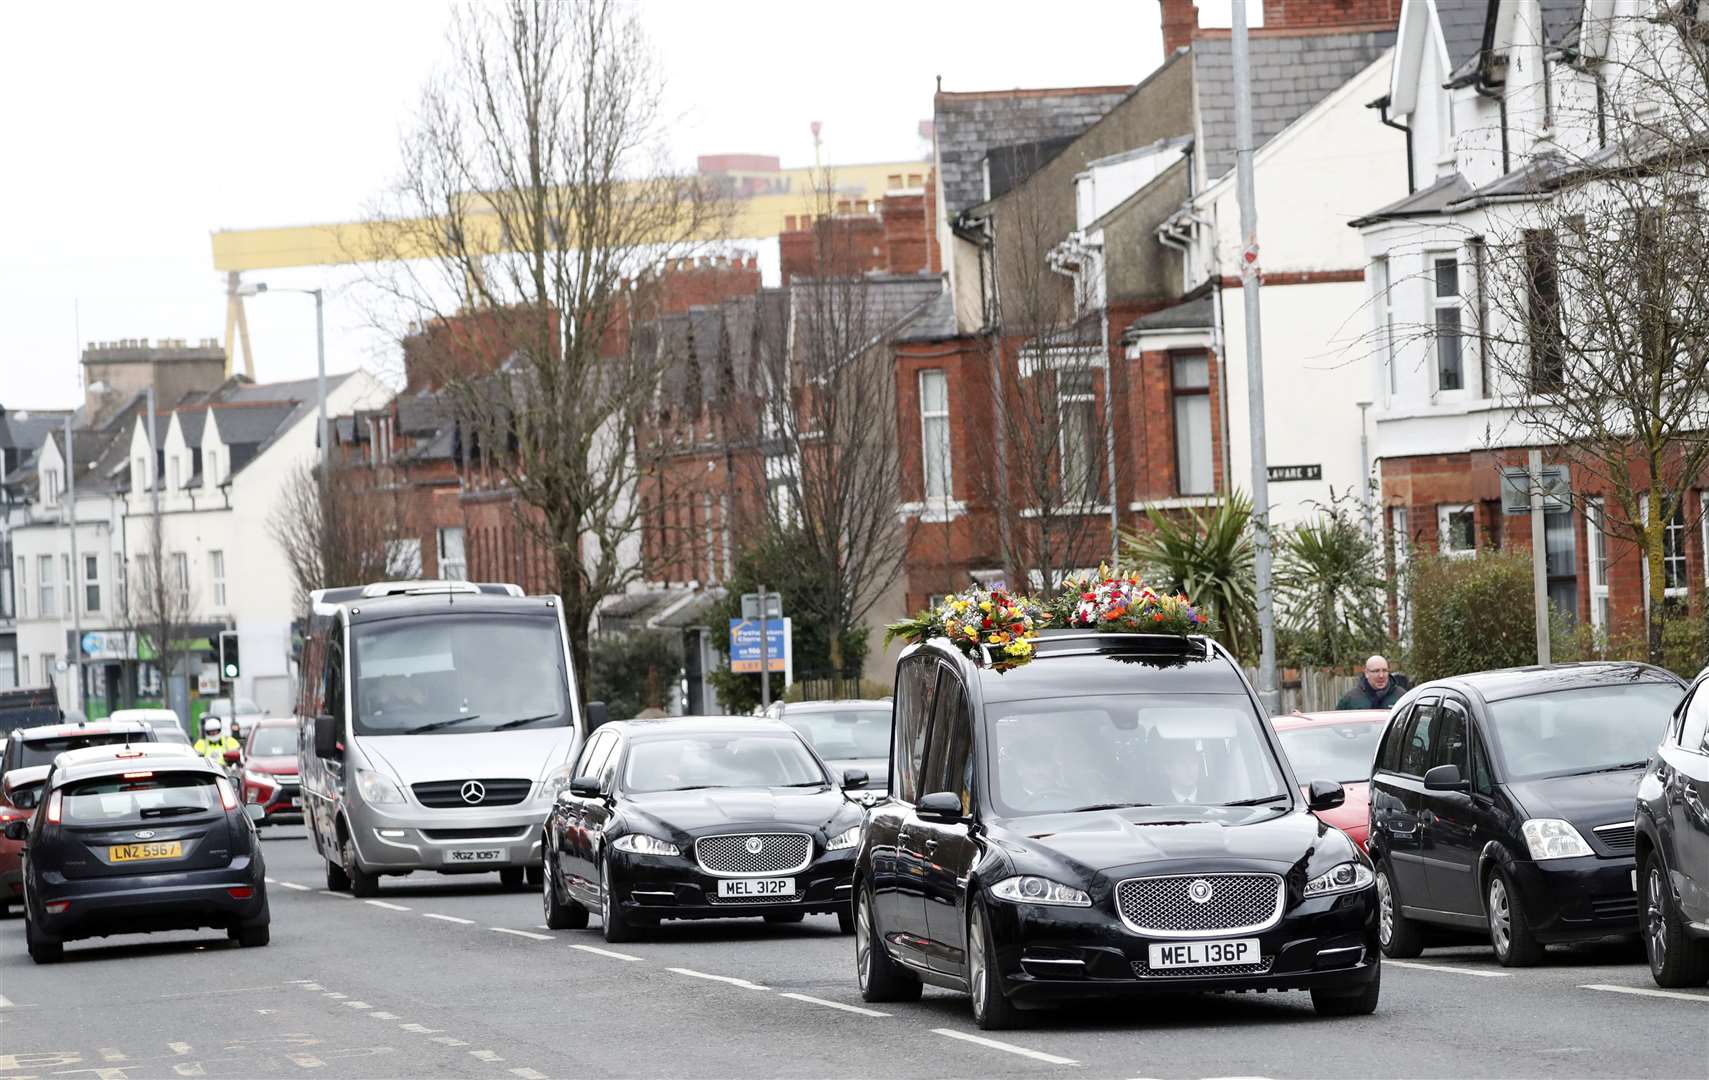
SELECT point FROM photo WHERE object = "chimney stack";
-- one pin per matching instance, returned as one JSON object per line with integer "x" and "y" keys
{"x": 1180, "y": 22}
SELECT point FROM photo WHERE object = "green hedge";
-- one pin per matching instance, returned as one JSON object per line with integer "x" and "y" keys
{"x": 1470, "y": 614}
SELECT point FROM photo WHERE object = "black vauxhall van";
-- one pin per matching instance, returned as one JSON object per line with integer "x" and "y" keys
{"x": 1113, "y": 817}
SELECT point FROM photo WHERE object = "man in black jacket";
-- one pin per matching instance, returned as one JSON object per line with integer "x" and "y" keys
{"x": 1376, "y": 688}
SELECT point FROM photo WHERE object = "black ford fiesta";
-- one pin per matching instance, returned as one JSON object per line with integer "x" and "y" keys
{"x": 698, "y": 818}
{"x": 1114, "y": 817}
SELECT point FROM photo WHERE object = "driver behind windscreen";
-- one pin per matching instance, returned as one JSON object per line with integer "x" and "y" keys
{"x": 1181, "y": 768}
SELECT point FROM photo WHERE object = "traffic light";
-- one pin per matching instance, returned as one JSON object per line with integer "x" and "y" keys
{"x": 229, "y": 668}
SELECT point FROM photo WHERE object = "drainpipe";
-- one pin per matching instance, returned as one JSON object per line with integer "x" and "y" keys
{"x": 1382, "y": 107}
{"x": 1493, "y": 91}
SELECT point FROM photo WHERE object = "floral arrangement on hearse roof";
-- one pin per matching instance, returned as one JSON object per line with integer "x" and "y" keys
{"x": 979, "y": 619}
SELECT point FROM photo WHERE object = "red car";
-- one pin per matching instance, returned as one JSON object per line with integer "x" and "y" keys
{"x": 1336, "y": 746}
{"x": 270, "y": 771}
{"x": 18, "y": 796}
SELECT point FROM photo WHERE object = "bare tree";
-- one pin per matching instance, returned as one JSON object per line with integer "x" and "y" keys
{"x": 1051, "y": 393}
{"x": 157, "y": 604}
{"x": 828, "y": 456}
{"x": 347, "y": 531}
{"x": 535, "y": 187}
{"x": 1593, "y": 304}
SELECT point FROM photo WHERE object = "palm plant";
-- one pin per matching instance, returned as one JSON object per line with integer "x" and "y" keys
{"x": 1208, "y": 556}
{"x": 1329, "y": 589}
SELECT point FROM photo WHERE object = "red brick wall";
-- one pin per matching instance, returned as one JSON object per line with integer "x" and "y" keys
{"x": 1305, "y": 14}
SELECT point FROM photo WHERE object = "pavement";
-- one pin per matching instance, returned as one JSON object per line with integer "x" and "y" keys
{"x": 455, "y": 977}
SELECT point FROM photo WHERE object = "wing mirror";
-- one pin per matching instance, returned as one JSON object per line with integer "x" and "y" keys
{"x": 585, "y": 787}
{"x": 232, "y": 757}
{"x": 16, "y": 830}
{"x": 1445, "y": 778}
{"x": 940, "y": 807}
{"x": 855, "y": 778}
{"x": 254, "y": 813}
{"x": 326, "y": 736}
{"x": 1325, "y": 795}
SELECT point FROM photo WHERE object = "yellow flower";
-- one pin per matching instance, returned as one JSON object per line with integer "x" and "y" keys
{"x": 985, "y": 606}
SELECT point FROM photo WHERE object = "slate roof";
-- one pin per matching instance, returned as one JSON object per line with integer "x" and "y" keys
{"x": 739, "y": 343}
{"x": 1434, "y": 199}
{"x": 1188, "y": 315}
{"x": 252, "y": 424}
{"x": 190, "y": 421}
{"x": 1007, "y": 166}
{"x": 706, "y": 329}
{"x": 934, "y": 322}
{"x": 1462, "y": 23}
{"x": 1290, "y": 74}
{"x": 968, "y": 126}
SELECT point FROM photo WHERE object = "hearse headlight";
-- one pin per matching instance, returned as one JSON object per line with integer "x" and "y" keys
{"x": 1026, "y": 889}
{"x": 1347, "y": 877}
{"x": 848, "y": 838}
{"x": 1552, "y": 838}
{"x": 641, "y": 844}
{"x": 557, "y": 780}
{"x": 377, "y": 789}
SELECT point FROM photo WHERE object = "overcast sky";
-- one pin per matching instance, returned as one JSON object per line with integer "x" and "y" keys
{"x": 133, "y": 131}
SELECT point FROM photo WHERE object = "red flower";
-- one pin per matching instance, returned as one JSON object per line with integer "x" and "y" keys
{"x": 1019, "y": 628}
{"x": 985, "y": 623}
{"x": 1157, "y": 617}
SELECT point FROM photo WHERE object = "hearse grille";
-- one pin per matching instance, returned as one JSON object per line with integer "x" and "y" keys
{"x": 1194, "y": 905}
{"x": 481, "y": 792}
{"x": 714, "y": 899}
{"x": 1143, "y": 969}
{"x": 1620, "y": 837}
{"x": 754, "y": 853}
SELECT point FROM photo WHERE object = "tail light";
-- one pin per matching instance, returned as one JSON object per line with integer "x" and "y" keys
{"x": 53, "y": 806}
{"x": 138, "y": 775}
{"x": 57, "y": 907}
{"x": 240, "y": 892}
{"x": 228, "y": 798}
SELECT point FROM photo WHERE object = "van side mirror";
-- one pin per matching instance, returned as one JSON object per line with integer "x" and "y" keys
{"x": 597, "y": 715}
{"x": 254, "y": 812}
{"x": 232, "y": 757}
{"x": 854, "y": 778}
{"x": 1445, "y": 778}
{"x": 326, "y": 736}
{"x": 940, "y": 807}
{"x": 585, "y": 787}
{"x": 1325, "y": 795}
{"x": 17, "y": 830}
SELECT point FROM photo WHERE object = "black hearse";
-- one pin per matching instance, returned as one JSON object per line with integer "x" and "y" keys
{"x": 1113, "y": 817}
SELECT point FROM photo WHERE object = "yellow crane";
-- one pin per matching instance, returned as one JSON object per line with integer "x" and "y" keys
{"x": 774, "y": 201}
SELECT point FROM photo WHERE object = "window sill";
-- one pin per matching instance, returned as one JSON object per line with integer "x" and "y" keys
{"x": 1459, "y": 553}
{"x": 1176, "y": 502}
{"x": 935, "y": 512}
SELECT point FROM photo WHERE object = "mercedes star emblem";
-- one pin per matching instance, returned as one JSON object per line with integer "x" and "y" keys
{"x": 473, "y": 791}
{"x": 145, "y": 834}
{"x": 754, "y": 845}
{"x": 1199, "y": 892}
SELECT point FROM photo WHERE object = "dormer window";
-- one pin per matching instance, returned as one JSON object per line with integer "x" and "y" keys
{"x": 172, "y": 472}
{"x": 212, "y": 473}
{"x": 51, "y": 487}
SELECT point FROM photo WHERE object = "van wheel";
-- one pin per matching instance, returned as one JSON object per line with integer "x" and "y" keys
{"x": 559, "y": 916}
{"x": 881, "y": 978}
{"x": 1399, "y": 936}
{"x": 362, "y": 883}
{"x": 43, "y": 948}
{"x": 1676, "y": 959}
{"x": 1361, "y": 1001}
{"x": 1508, "y": 930}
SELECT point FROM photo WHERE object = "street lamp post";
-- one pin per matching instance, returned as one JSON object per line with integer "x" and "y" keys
{"x": 260, "y": 287}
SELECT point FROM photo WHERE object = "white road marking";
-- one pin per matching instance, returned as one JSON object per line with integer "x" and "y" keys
{"x": 743, "y": 983}
{"x": 269, "y": 881}
{"x": 835, "y": 1005}
{"x": 388, "y": 907}
{"x": 378, "y": 1015}
{"x": 449, "y": 1041}
{"x": 189, "y": 1068}
{"x": 528, "y": 1074}
{"x": 334, "y": 995}
{"x": 5, "y": 1002}
{"x": 447, "y": 918}
{"x": 605, "y": 952}
{"x": 1450, "y": 968}
{"x": 521, "y": 933}
{"x": 294, "y": 885}
{"x": 1010, "y": 1048}
{"x": 1644, "y": 991}
{"x": 111, "y": 1053}
{"x": 357, "y": 1005}
{"x": 420, "y": 1029}
{"x": 485, "y": 1055}
{"x": 311, "y": 986}
{"x": 305, "y": 1061}
{"x": 178, "y": 1048}
{"x": 340, "y": 895}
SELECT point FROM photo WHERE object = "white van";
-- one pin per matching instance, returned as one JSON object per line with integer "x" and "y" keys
{"x": 437, "y": 722}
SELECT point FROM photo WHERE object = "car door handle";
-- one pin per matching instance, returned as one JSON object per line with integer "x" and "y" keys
{"x": 931, "y": 846}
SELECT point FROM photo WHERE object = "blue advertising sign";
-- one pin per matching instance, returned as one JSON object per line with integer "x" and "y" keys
{"x": 745, "y": 645}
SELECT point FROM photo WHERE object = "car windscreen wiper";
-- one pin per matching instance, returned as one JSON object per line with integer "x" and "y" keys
{"x": 1615, "y": 768}
{"x": 1258, "y": 801}
{"x": 172, "y": 811}
{"x": 809, "y": 783}
{"x": 1104, "y": 806}
{"x": 508, "y": 724}
{"x": 437, "y": 724}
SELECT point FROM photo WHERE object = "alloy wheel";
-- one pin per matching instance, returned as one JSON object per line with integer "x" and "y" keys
{"x": 1500, "y": 917}
{"x": 863, "y": 941}
{"x": 1655, "y": 919}
{"x": 546, "y": 892}
{"x": 976, "y": 961}
{"x": 1385, "y": 910}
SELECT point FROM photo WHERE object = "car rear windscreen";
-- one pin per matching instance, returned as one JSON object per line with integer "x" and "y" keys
{"x": 43, "y": 751}
{"x": 1341, "y": 752}
{"x": 274, "y": 742}
{"x": 143, "y": 795}
{"x": 842, "y": 734}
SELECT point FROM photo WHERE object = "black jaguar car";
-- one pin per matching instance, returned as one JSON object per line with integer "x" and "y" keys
{"x": 140, "y": 838}
{"x": 1673, "y": 846}
{"x": 1113, "y": 817}
{"x": 698, "y": 818}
